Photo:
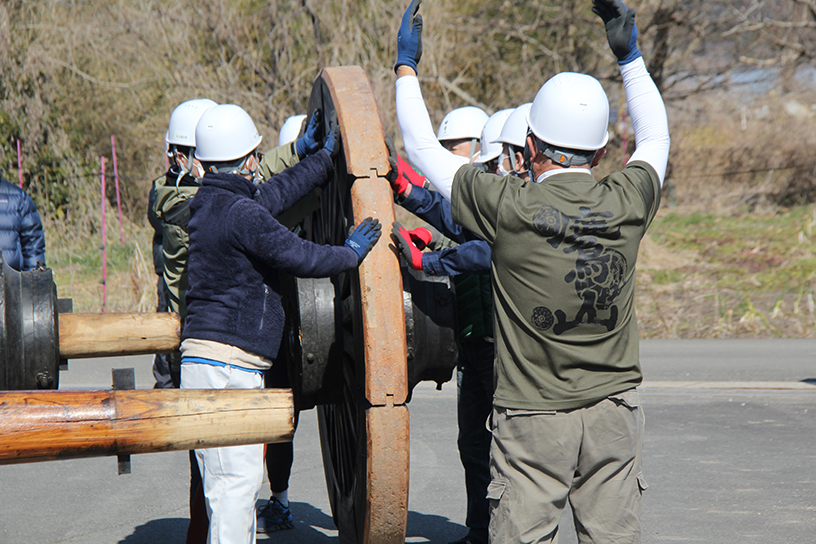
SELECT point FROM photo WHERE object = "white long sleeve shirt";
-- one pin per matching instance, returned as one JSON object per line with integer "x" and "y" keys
{"x": 646, "y": 110}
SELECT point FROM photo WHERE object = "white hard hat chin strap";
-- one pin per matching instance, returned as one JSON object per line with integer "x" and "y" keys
{"x": 183, "y": 169}
{"x": 513, "y": 161}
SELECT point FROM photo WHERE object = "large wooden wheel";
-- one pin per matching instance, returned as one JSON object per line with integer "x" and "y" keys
{"x": 365, "y": 433}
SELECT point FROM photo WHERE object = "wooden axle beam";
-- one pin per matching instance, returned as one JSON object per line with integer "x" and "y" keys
{"x": 112, "y": 335}
{"x": 49, "y": 425}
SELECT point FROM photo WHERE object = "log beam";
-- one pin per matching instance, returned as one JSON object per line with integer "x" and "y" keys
{"x": 112, "y": 335}
{"x": 49, "y": 425}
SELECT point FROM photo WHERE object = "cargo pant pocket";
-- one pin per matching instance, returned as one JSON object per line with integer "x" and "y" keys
{"x": 642, "y": 484}
{"x": 497, "y": 526}
{"x": 495, "y": 490}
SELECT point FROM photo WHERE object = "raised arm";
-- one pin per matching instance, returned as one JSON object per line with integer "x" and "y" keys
{"x": 437, "y": 163}
{"x": 648, "y": 116}
{"x": 646, "y": 108}
{"x": 280, "y": 192}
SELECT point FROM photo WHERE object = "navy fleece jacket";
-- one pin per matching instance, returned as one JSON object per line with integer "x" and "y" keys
{"x": 238, "y": 251}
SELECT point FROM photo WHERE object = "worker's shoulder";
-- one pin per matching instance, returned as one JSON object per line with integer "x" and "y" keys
{"x": 475, "y": 174}
{"x": 634, "y": 171}
{"x": 8, "y": 188}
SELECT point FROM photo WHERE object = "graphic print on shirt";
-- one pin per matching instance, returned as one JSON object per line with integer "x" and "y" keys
{"x": 599, "y": 271}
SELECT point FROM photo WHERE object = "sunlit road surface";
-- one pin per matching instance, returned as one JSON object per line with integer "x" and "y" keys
{"x": 729, "y": 455}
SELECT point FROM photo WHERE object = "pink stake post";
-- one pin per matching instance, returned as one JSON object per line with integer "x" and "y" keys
{"x": 19, "y": 163}
{"x": 104, "y": 242}
{"x": 116, "y": 181}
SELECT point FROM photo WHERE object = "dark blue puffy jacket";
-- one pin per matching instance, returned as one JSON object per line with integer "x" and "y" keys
{"x": 21, "y": 232}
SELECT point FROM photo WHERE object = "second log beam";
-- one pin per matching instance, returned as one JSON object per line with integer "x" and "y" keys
{"x": 111, "y": 335}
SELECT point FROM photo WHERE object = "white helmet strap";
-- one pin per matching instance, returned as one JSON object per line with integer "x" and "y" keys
{"x": 183, "y": 169}
{"x": 472, "y": 149}
{"x": 513, "y": 161}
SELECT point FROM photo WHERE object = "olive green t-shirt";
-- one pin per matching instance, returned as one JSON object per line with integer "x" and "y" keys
{"x": 563, "y": 272}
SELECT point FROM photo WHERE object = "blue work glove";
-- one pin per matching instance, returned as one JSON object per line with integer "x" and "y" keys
{"x": 409, "y": 37}
{"x": 364, "y": 237}
{"x": 308, "y": 144}
{"x": 332, "y": 141}
{"x": 621, "y": 31}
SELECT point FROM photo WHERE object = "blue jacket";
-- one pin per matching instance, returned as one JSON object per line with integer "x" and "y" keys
{"x": 472, "y": 256}
{"x": 238, "y": 251}
{"x": 469, "y": 263}
{"x": 21, "y": 232}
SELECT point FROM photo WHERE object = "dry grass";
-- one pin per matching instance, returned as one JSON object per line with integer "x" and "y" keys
{"x": 77, "y": 268}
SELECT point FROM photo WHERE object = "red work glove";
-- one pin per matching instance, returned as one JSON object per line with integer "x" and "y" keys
{"x": 408, "y": 173}
{"x": 406, "y": 247}
{"x": 423, "y": 236}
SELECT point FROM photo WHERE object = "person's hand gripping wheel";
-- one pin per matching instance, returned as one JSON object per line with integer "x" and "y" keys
{"x": 425, "y": 236}
{"x": 332, "y": 141}
{"x": 308, "y": 143}
{"x": 364, "y": 237}
{"x": 406, "y": 247}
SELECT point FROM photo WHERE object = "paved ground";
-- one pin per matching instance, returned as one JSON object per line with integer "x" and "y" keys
{"x": 727, "y": 461}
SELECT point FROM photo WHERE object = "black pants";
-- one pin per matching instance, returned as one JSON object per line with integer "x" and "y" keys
{"x": 279, "y": 457}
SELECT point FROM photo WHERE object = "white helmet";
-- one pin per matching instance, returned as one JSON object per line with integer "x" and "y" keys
{"x": 514, "y": 131}
{"x": 225, "y": 133}
{"x": 462, "y": 123}
{"x": 290, "y": 129}
{"x": 183, "y": 121}
{"x": 488, "y": 149}
{"x": 571, "y": 111}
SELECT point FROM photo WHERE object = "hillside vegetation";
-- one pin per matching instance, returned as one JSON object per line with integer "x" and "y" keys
{"x": 729, "y": 254}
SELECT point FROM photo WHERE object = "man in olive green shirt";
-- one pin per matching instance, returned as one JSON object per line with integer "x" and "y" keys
{"x": 567, "y": 423}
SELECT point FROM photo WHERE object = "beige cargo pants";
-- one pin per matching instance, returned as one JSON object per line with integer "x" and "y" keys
{"x": 589, "y": 456}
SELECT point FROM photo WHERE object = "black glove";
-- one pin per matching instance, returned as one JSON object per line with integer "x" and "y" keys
{"x": 393, "y": 172}
{"x": 621, "y": 31}
{"x": 332, "y": 142}
{"x": 409, "y": 37}
{"x": 364, "y": 237}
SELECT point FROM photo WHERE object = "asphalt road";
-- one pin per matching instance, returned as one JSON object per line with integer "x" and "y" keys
{"x": 730, "y": 456}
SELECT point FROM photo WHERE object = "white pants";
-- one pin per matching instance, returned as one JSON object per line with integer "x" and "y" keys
{"x": 232, "y": 476}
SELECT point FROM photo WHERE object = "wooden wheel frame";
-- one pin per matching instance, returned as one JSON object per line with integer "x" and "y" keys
{"x": 365, "y": 436}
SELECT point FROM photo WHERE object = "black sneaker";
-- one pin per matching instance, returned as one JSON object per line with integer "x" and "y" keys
{"x": 274, "y": 517}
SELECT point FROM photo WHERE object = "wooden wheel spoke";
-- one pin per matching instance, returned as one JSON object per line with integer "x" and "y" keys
{"x": 367, "y": 482}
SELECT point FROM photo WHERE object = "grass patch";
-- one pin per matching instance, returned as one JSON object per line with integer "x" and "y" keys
{"x": 745, "y": 275}
{"x": 77, "y": 267}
